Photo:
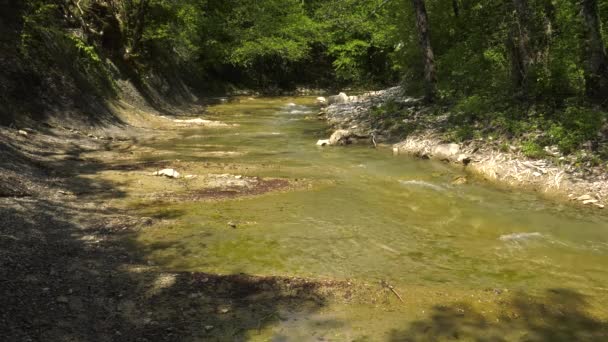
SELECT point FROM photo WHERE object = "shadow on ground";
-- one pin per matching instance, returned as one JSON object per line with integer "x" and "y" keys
{"x": 559, "y": 315}
{"x": 69, "y": 269}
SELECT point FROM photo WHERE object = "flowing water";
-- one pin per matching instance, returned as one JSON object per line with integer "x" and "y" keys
{"x": 368, "y": 216}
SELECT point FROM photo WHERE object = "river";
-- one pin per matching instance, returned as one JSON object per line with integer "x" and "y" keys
{"x": 367, "y": 216}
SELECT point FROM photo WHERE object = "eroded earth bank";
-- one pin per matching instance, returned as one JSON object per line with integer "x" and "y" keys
{"x": 228, "y": 223}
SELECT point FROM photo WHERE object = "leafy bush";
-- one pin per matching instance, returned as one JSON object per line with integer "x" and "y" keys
{"x": 532, "y": 149}
{"x": 576, "y": 126}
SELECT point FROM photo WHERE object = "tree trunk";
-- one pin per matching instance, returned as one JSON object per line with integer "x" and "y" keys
{"x": 456, "y": 8}
{"x": 520, "y": 43}
{"x": 139, "y": 26}
{"x": 430, "y": 73}
{"x": 596, "y": 63}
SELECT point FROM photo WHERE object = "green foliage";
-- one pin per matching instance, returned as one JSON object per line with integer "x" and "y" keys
{"x": 532, "y": 149}
{"x": 51, "y": 49}
{"x": 576, "y": 126}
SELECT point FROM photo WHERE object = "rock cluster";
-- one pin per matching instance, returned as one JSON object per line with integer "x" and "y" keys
{"x": 350, "y": 115}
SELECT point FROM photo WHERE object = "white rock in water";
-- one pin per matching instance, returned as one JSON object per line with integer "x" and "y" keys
{"x": 323, "y": 142}
{"x": 446, "y": 151}
{"x": 584, "y": 198}
{"x": 321, "y": 100}
{"x": 338, "y": 99}
{"x": 22, "y": 132}
{"x": 170, "y": 173}
{"x": 590, "y": 201}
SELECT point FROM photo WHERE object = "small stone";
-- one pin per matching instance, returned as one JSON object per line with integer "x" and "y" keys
{"x": 190, "y": 176}
{"x": 232, "y": 224}
{"x": 536, "y": 174}
{"x": 238, "y": 177}
{"x": 22, "y": 133}
{"x": 590, "y": 201}
{"x": 599, "y": 205}
{"x": 209, "y": 327}
{"x": 224, "y": 310}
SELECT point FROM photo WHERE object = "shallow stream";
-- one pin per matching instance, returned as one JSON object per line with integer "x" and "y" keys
{"x": 368, "y": 216}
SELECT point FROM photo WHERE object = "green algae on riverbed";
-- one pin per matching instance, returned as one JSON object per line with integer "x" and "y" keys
{"x": 367, "y": 216}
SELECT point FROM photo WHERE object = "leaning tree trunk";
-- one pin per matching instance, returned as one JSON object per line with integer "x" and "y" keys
{"x": 430, "y": 73}
{"x": 596, "y": 63}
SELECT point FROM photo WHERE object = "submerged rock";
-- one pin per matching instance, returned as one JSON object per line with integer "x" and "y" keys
{"x": 422, "y": 184}
{"x": 520, "y": 236}
{"x": 203, "y": 122}
{"x": 460, "y": 180}
{"x": 340, "y": 137}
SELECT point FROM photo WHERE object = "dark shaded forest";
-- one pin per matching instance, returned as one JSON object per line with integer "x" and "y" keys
{"x": 506, "y": 67}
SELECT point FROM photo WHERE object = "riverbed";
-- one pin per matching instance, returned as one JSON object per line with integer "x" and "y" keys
{"x": 446, "y": 258}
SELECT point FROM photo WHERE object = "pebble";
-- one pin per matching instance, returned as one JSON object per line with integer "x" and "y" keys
{"x": 232, "y": 224}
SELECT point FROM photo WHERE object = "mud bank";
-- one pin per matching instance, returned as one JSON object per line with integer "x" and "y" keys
{"x": 355, "y": 121}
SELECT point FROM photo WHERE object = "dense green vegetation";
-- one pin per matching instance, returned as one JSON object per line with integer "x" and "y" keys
{"x": 508, "y": 67}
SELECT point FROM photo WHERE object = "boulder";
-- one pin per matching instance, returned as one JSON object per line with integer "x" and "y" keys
{"x": 340, "y": 137}
{"x": 22, "y": 133}
{"x": 321, "y": 101}
{"x": 338, "y": 99}
{"x": 169, "y": 173}
{"x": 446, "y": 151}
